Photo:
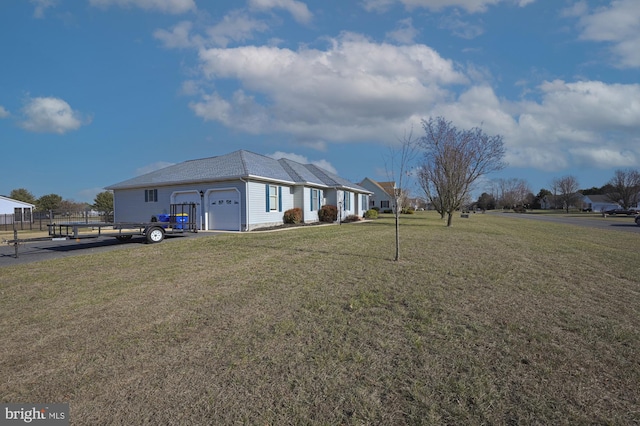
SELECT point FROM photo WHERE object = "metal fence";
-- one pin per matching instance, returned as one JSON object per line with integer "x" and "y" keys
{"x": 39, "y": 220}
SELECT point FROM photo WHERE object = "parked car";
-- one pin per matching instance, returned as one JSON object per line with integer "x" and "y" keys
{"x": 628, "y": 212}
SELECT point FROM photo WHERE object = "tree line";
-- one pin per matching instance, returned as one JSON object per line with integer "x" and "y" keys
{"x": 103, "y": 202}
{"x": 623, "y": 189}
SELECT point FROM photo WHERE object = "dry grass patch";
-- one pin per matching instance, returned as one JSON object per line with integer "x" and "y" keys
{"x": 496, "y": 320}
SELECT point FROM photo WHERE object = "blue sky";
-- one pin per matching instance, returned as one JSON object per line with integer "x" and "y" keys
{"x": 95, "y": 92}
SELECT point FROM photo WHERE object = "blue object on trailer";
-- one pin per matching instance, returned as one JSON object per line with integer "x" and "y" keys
{"x": 163, "y": 218}
{"x": 181, "y": 218}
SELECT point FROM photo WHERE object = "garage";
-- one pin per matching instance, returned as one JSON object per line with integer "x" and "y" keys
{"x": 223, "y": 209}
{"x": 189, "y": 197}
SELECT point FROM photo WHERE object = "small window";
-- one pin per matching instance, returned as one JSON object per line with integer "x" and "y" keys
{"x": 384, "y": 204}
{"x": 273, "y": 197}
{"x": 17, "y": 213}
{"x": 151, "y": 196}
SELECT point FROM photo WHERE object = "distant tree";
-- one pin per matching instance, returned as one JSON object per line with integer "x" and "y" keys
{"x": 72, "y": 206}
{"x": 625, "y": 186}
{"x": 486, "y": 201}
{"x": 454, "y": 159}
{"x": 537, "y": 202}
{"x": 21, "y": 194}
{"x": 49, "y": 202}
{"x": 591, "y": 191}
{"x": 511, "y": 192}
{"x": 398, "y": 168}
{"x": 103, "y": 202}
{"x": 566, "y": 191}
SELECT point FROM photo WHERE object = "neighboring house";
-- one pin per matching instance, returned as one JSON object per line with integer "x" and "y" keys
{"x": 382, "y": 197}
{"x": 15, "y": 211}
{"x": 239, "y": 191}
{"x": 598, "y": 203}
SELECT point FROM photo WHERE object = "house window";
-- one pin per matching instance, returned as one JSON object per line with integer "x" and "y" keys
{"x": 347, "y": 200}
{"x": 17, "y": 213}
{"x": 150, "y": 195}
{"x": 384, "y": 204}
{"x": 315, "y": 199}
{"x": 273, "y": 197}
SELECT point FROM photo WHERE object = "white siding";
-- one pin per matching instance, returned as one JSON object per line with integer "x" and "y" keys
{"x": 258, "y": 215}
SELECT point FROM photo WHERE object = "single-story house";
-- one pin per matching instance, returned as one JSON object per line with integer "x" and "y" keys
{"x": 239, "y": 191}
{"x": 598, "y": 203}
{"x": 382, "y": 196}
{"x": 15, "y": 211}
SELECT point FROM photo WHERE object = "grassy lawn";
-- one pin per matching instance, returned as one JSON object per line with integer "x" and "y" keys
{"x": 497, "y": 320}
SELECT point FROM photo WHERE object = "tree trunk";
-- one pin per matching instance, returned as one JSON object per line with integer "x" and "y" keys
{"x": 397, "y": 235}
{"x": 449, "y": 218}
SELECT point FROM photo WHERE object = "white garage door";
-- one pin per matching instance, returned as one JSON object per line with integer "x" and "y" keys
{"x": 224, "y": 210}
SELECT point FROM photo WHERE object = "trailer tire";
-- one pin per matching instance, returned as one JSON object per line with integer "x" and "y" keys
{"x": 155, "y": 234}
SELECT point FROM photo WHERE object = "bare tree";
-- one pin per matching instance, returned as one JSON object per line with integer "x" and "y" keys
{"x": 566, "y": 191}
{"x": 625, "y": 187}
{"x": 398, "y": 170}
{"x": 511, "y": 192}
{"x": 454, "y": 159}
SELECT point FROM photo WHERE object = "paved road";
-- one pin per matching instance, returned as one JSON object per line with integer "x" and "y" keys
{"x": 45, "y": 250}
{"x": 617, "y": 223}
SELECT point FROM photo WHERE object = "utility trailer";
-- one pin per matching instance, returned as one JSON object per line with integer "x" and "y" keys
{"x": 181, "y": 219}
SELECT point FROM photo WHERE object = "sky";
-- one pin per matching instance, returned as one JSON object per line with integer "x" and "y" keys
{"x": 94, "y": 92}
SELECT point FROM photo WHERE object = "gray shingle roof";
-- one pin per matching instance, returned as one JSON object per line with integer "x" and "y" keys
{"x": 238, "y": 164}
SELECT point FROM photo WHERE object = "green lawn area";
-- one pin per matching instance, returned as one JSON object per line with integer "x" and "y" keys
{"x": 496, "y": 320}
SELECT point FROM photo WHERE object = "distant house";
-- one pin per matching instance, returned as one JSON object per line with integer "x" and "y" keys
{"x": 239, "y": 191}
{"x": 598, "y": 203}
{"x": 15, "y": 211}
{"x": 382, "y": 197}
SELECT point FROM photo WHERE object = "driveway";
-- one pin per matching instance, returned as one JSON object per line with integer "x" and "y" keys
{"x": 616, "y": 223}
{"x": 45, "y": 250}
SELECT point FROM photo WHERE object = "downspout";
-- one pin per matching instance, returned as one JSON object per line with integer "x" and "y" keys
{"x": 246, "y": 207}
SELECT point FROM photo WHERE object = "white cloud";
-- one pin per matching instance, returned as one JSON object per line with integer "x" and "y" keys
{"x": 355, "y": 89}
{"x": 405, "y": 33}
{"x": 324, "y": 164}
{"x": 237, "y": 26}
{"x": 618, "y": 24}
{"x": 461, "y": 28}
{"x": 3, "y": 112}
{"x": 50, "y": 115}
{"x": 297, "y": 9}
{"x": 178, "y": 37}
{"x": 471, "y": 6}
{"x": 164, "y": 6}
{"x": 41, "y": 6}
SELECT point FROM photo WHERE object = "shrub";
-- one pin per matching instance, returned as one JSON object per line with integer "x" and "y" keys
{"x": 371, "y": 214}
{"x": 408, "y": 210}
{"x": 293, "y": 215}
{"x": 376, "y": 208}
{"x": 328, "y": 213}
{"x": 353, "y": 218}
{"x": 387, "y": 211}
{"x": 519, "y": 209}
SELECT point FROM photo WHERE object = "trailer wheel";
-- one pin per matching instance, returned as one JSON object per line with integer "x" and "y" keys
{"x": 155, "y": 234}
{"x": 124, "y": 237}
